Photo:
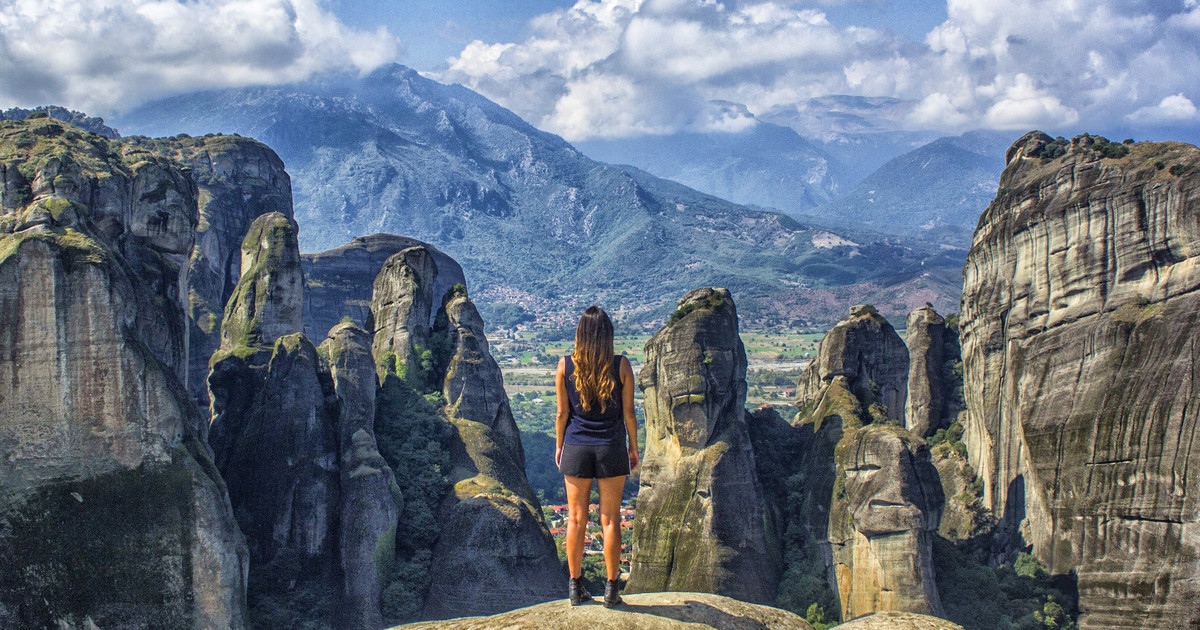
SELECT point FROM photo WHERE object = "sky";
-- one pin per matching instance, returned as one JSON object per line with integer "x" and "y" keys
{"x": 620, "y": 68}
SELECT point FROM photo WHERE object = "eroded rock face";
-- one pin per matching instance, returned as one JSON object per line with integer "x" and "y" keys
{"x": 882, "y": 520}
{"x": 865, "y": 349}
{"x": 320, "y": 505}
{"x": 872, "y": 497}
{"x": 401, "y": 309}
{"x": 494, "y": 551}
{"x": 370, "y": 499}
{"x": 925, "y": 337}
{"x": 340, "y": 280}
{"x": 112, "y": 512}
{"x": 268, "y": 301}
{"x": 1078, "y": 319}
{"x": 700, "y": 524}
{"x": 239, "y": 180}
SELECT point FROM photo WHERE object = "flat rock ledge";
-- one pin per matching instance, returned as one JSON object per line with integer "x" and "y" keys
{"x": 665, "y": 611}
{"x": 892, "y": 620}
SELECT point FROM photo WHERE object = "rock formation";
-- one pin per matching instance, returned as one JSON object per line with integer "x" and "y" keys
{"x": 892, "y": 620}
{"x": 370, "y": 499}
{"x": 867, "y": 352}
{"x": 1079, "y": 321}
{"x": 700, "y": 524}
{"x": 926, "y": 340}
{"x": 886, "y": 505}
{"x": 493, "y": 550}
{"x": 318, "y": 507}
{"x": 401, "y": 309}
{"x": 239, "y": 180}
{"x": 647, "y": 611}
{"x": 111, "y": 511}
{"x": 339, "y": 281}
{"x": 871, "y": 492}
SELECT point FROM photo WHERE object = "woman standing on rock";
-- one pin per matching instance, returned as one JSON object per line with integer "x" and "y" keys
{"x": 597, "y": 439}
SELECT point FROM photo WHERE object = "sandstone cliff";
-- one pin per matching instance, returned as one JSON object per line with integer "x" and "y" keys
{"x": 1078, "y": 327}
{"x": 339, "y": 281}
{"x": 111, "y": 511}
{"x": 701, "y": 524}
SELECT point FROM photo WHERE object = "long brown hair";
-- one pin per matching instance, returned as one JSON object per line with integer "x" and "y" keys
{"x": 593, "y": 358}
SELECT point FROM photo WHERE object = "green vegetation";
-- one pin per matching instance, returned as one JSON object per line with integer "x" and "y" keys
{"x": 414, "y": 440}
{"x": 1021, "y": 596}
{"x": 708, "y": 303}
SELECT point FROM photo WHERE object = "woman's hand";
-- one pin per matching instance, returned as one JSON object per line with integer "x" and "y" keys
{"x": 633, "y": 459}
{"x": 558, "y": 456}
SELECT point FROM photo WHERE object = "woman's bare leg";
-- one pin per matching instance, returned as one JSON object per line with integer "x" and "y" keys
{"x": 610, "y": 522}
{"x": 579, "y": 491}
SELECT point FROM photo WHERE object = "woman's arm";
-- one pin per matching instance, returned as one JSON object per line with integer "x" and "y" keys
{"x": 564, "y": 411}
{"x": 627, "y": 407}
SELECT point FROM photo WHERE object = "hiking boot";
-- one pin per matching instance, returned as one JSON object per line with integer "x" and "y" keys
{"x": 577, "y": 592}
{"x": 612, "y": 594}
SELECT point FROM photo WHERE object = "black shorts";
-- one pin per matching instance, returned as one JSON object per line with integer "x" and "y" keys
{"x": 594, "y": 461}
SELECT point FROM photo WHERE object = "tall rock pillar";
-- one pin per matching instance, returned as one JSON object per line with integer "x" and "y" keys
{"x": 700, "y": 523}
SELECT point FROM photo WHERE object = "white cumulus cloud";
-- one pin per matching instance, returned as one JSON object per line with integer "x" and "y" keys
{"x": 1173, "y": 108}
{"x": 631, "y": 67}
{"x": 105, "y": 55}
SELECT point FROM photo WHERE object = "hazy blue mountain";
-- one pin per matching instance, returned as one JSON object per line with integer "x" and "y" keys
{"x": 936, "y": 191}
{"x": 526, "y": 214}
{"x": 767, "y": 165}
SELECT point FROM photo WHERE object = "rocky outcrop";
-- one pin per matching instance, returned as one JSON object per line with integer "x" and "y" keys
{"x": 649, "y": 611}
{"x": 872, "y": 497}
{"x": 339, "y": 281}
{"x": 111, "y": 512}
{"x": 238, "y": 180}
{"x": 493, "y": 549}
{"x": 892, "y": 620}
{"x": 319, "y": 507}
{"x": 1079, "y": 317}
{"x": 867, "y": 352}
{"x": 886, "y": 505}
{"x": 401, "y": 309}
{"x": 700, "y": 524}
{"x": 926, "y": 338}
{"x": 370, "y": 498}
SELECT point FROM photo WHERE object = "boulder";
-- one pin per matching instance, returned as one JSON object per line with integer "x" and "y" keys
{"x": 926, "y": 337}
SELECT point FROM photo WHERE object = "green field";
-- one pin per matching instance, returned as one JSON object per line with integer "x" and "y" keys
{"x": 775, "y": 361}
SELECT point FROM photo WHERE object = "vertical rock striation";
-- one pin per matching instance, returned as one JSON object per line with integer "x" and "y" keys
{"x": 701, "y": 524}
{"x": 401, "y": 309}
{"x": 1079, "y": 321}
{"x": 111, "y": 512}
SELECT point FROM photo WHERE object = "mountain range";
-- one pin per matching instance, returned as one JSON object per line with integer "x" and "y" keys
{"x": 531, "y": 217}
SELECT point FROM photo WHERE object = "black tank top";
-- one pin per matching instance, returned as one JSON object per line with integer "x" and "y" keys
{"x": 593, "y": 426}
